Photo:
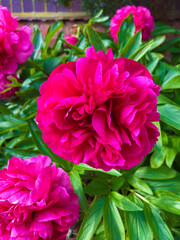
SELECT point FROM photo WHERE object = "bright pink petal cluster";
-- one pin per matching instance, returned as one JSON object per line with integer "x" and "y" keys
{"x": 70, "y": 39}
{"x": 142, "y": 19}
{"x": 15, "y": 45}
{"x": 36, "y": 200}
{"x": 99, "y": 111}
{"x": 4, "y": 81}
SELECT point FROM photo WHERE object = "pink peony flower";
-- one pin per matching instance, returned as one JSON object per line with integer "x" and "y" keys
{"x": 99, "y": 111}
{"x": 3, "y": 85}
{"x": 15, "y": 45}
{"x": 36, "y": 200}
{"x": 70, "y": 39}
{"x": 142, "y": 19}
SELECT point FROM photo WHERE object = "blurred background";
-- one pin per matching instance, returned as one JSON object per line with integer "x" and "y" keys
{"x": 44, "y": 12}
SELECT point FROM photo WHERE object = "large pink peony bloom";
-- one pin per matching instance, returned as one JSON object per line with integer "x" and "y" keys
{"x": 36, "y": 200}
{"x": 70, "y": 39}
{"x": 15, "y": 45}
{"x": 3, "y": 85}
{"x": 99, "y": 111}
{"x": 142, "y": 19}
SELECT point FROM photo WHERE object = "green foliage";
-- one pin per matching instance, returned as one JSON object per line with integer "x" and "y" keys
{"x": 139, "y": 203}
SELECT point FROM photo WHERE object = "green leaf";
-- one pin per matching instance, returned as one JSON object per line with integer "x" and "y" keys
{"x": 53, "y": 29}
{"x": 170, "y": 154}
{"x": 159, "y": 144}
{"x": 51, "y": 63}
{"x": 171, "y": 83}
{"x": 170, "y": 114}
{"x": 152, "y": 65}
{"x": 78, "y": 189}
{"x": 139, "y": 184}
{"x": 157, "y": 158}
{"x": 168, "y": 44}
{"x": 82, "y": 43}
{"x": 95, "y": 40}
{"x": 91, "y": 221}
{"x": 74, "y": 47}
{"x": 83, "y": 166}
{"x": 34, "y": 77}
{"x": 163, "y": 100}
{"x": 156, "y": 174}
{"x": 157, "y": 42}
{"x": 137, "y": 226}
{"x": 166, "y": 201}
{"x": 171, "y": 185}
{"x": 132, "y": 45}
{"x": 161, "y": 28}
{"x": 117, "y": 182}
{"x": 37, "y": 42}
{"x": 99, "y": 19}
{"x": 126, "y": 31}
{"x": 123, "y": 202}
{"x": 100, "y": 236}
{"x": 158, "y": 226}
{"x": 113, "y": 225}
{"x": 141, "y": 51}
{"x": 16, "y": 152}
{"x": 98, "y": 14}
{"x": 97, "y": 187}
{"x": 6, "y": 136}
{"x": 44, "y": 149}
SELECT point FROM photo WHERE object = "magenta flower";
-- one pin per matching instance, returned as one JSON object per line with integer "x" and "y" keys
{"x": 37, "y": 200}
{"x": 142, "y": 19}
{"x": 3, "y": 85}
{"x": 70, "y": 39}
{"x": 99, "y": 111}
{"x": 15, "y": 45}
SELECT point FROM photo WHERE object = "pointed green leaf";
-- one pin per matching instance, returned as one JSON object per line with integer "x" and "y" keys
{"x": 137, "y": 55}
{"x": 166, "y": 201}
{"x": 157, "y": 42}
{"x": 126, "y": 31}
{"x": 95, "y": 39}
{"x": 158, "y": 226}
{"x": 53, "y": 29}
{"x": 157, "y": 158}
{"x": 123, "y": 202}
{"x": 21, "y": 153}
{"x": 170, "y": 114}
{"x": 51, "y": 63}
{"x": 156, "y": 174}
{"x": 83, "y": 166}
{"x": 91, "y": 221}
{"x": 139, "y": 184}
{"x": 113, "y": 225}
{"x": 37, "y": 42}
{"x": 171, "y": 185}
{"x": 78, "y": 189}
{"x": 137, "y": 226}
{"x": 132, "y": 45}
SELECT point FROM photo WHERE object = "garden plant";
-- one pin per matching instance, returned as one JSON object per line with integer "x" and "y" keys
{"x": 89, "y": 129}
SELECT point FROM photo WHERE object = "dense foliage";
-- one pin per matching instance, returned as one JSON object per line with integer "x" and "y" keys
{"x": 139, "y": 203}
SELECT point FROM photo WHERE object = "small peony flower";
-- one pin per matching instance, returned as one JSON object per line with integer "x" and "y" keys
{"x": 4, "y": 81}
{"x": 99, "y": 111}
{"x": 15, "y": 45}
{"x": 37, "y": 200}
{"x": 70, "y": 39}
{"x": 142, "y": 19}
